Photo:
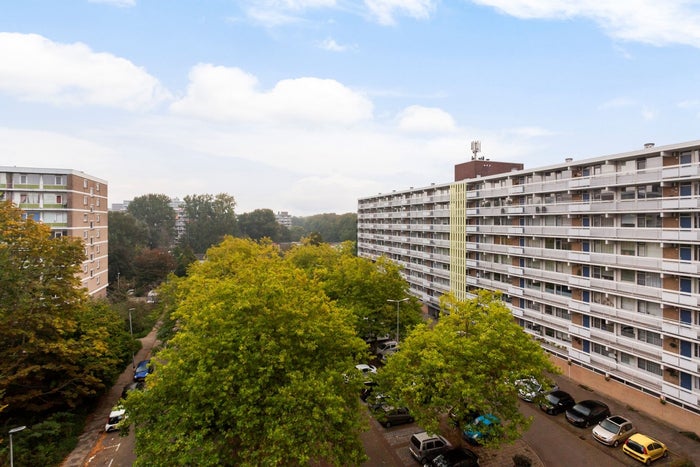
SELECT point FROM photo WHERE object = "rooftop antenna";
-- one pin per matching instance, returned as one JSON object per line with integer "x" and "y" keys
{"x": 476, "y": 149}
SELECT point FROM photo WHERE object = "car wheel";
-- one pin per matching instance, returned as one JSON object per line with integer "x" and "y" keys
{"x": 665, "y": 454}
{"x": 616, "y": 443}
{"x": 648, "y": 461}
{"x": 387, "y": 425}
{"x": 586, "y": 424}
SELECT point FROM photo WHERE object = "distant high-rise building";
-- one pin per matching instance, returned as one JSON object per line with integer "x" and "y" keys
{"x": 73, "y": 204}
{"x": 283, "y": 218}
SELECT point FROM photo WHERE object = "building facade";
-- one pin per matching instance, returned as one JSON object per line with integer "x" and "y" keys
{"x": 598, "y": 259}
{"x": 73, "y": 204}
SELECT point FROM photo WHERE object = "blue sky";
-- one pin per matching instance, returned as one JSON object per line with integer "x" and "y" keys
{"x": 307, "y": 105}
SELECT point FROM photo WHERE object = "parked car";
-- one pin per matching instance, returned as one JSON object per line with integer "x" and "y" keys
{"x": 460, "y": 419}
{"x": 457, "y": 457}
{"x": 644, "y": 449}
{"x": 142, "y": 370}
{"x": 613, "y": 430}
{"x": 388, "y": 415}
{"x": 116, "y": 415}
{"x": 587, "y": 413}
{"x": 367, "y": 390}
{"x": 529, "y": 389}
{"x": 377, "y": 399}
{"x": 557, "y": 402}
{"x": 482, "y": 428}
{"x": 425, "y": 446}
{"x": 386, "y": 347}
{"x": 388, "y": 354}
{"x": 135, "y": 386}
{"x": 364, "y": 368}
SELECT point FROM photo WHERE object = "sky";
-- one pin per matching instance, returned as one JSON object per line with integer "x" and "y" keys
{"x": 305, "y": 106}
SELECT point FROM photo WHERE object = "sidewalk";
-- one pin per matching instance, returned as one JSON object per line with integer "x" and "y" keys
{"x": 95, "y": 423}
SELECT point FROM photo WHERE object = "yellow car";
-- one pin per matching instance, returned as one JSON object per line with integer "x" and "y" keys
{"x": 644, "y": 448}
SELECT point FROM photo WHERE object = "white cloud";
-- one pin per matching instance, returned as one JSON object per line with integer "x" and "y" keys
{"x": 617, "y": 103}
{"x": 274, "y": 13}
{"x": 416, "y": 118}
{"x": 648, "y": 21}
{"x": 384, "y": 11}
{"x": 332, "y": 46}
{"x": 119, "y": 3}
{"x": 71, "y": 74}
{"x": 230, "y": 94}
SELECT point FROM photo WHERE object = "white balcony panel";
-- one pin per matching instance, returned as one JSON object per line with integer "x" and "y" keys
{"x": 582, "y": 207}
{"x": 684, "y": 268}
{"x": 576, "y": 330}
{"x": 515, "y": 291}
{"x": 515, "y": 230}
{"x": 579, "y": 232}
{"x": 516, "y": 190}
{"x": 472, "y": 280}
{"x": 515, "y": 250}
{"x": 515, "y": 270}
{"x": 579, "y": 257}
{"x": 580, "y": 356}
{"x": 580, "y": 306}
{"x": 577, "y": 281}
{"x": 580, "y": 182}
{"x": 515, "y": 210}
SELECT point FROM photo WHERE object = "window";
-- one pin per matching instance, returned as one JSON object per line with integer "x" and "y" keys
{"x": 651, "y": 367}
{"x": 686, "y": 190}
{"x": 649, "y": 279}
{"x": 685, "y": 158}
{"x": 649, "y": 337}
{"x": 58, "y": 180}
{"x": 85, "y": 200}
{"x": 599, "y": 272}
{"x": 85, "y": 183}
{"x": 649, "y": 220}
{"x": 627, "y": 331}
{"x": 97, "y": 185}
{"x": 685, "y": 253}
{"x": 627, "y": 248}
{"x": 628, "y": 193}
{"x": 649, "y": 308}
{"x": 85, "y": 217}
{"x": 602, "y": 324}
{"x": 641, "y": 164}
{"x": 686, "y": 285}
{"x": 23, "y": 179}
{"x": 685, "y": 221}
{"x": 85, "y": 234}
{"x": 628, "y": 220}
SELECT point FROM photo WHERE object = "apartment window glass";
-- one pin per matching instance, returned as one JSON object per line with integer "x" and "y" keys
{"x": 686, "y": 190}
{"x": 685, "y": 158}
{"x": 599, "y": 272}
{"x": 626, "y": 358}
{"x": 649, "y": 337}
{"x": 686, "y": 316}
{"x": 627, "y": 275}
{"x": 628, "y": 220}
{"x": 649, "y": 191}
{"x": 627, "y": 248}
{"x": 603, "y": 325}
{"x": 649, "y": 220}
{"x": 628, "y": 193}
{"x": 627, "y": 331}
{"x": 58, "y": 180}
{"x": 686, "y": 285}
{"x": 641, "y": 164}
{"x": 686, "y": 221}
{"x": 85, "y": 200}
{"x": 85, "y": 183}
{"x": 649, "y": 308}
{"x": 649, "y": 279}
{"x": 651, "y": 367}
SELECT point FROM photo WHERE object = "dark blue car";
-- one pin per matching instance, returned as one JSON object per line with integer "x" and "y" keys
{"x": 142, "y": 370}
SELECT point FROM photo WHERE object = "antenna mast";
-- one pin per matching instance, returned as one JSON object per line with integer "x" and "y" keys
{"x": 476, "y": 149}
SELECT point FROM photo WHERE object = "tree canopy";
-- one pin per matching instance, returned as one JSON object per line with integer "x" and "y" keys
{"x": 209, "y": 219}
{"x": 255, "y": 374}
{"x": 262, "y": 223}
{"x": 158, "y": 216}
{"x": 467, "y": 362}
{"x": 57, "y": 346}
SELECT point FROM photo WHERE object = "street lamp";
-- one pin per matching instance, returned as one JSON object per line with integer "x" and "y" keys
{"x": 131, "y": 330}
{"x": 398, "y": 302}
{"x": 14, "y": 430}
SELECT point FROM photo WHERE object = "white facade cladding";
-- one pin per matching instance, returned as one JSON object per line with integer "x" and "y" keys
{"x": 598, "y": 259}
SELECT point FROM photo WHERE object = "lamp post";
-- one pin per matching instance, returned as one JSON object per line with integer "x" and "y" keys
{"x": 14, "y": 430}
{"x": 398, "y": 302}
{"x": 131, "y": 330}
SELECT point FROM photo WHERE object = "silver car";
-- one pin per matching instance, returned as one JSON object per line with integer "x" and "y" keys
{"x": 613, "y": 430}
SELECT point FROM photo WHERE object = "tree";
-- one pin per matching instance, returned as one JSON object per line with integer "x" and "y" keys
{"x": 155, "y": 212}
{"x": 209, "y": 219}
{"x": 259, "y": 224}
{"x": 127, "y": 236}
{"x": 57, "y": 347}
{"x": 334, "y": 228}
{"x": 467, "y": 362}
{"x": 361, "y": 286}
{"x": 254, "y": 376}
{"x": 152, "y": 267}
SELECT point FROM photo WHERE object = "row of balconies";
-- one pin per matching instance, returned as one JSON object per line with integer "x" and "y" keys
{"x": 611, "y": 180}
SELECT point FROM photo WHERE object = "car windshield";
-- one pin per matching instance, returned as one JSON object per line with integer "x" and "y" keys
{"x": 554, "y": 400}
{"x": 582, "y": 409}
{"x": 610, "y": 426}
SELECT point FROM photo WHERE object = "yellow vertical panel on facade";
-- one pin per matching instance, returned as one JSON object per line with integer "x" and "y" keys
{"x": 458, "y": 221}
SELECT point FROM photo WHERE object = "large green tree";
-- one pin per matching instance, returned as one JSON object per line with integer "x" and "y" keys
{"x": 158, "y": 216}
{"x": 361, "y": 286}
{"x": 261, "y": 223}
{"x": 332, "y": 227}
{"x": 57, "y": 346}
{"x": 255, "y": 374}
{"x": 127, "y": 236}
{"x": 467, "y": 362}
{"x": 209, "y": 219}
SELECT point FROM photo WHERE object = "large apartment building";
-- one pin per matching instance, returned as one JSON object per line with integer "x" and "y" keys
{"x": 73, "y": 204}
{"x": 598, "y": 259}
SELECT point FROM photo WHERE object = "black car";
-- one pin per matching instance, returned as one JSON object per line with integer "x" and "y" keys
{"x": 557, "y": 402}
{"x": 367, "y": 390}
{"x": 587, "y": 413}
{"x": 135, "y": 386}
{"x": 389, "y": 416}
{"x": 458, "y": 457}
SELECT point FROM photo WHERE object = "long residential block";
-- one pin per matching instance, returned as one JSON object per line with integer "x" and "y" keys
{"x": 598, "y": 259}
